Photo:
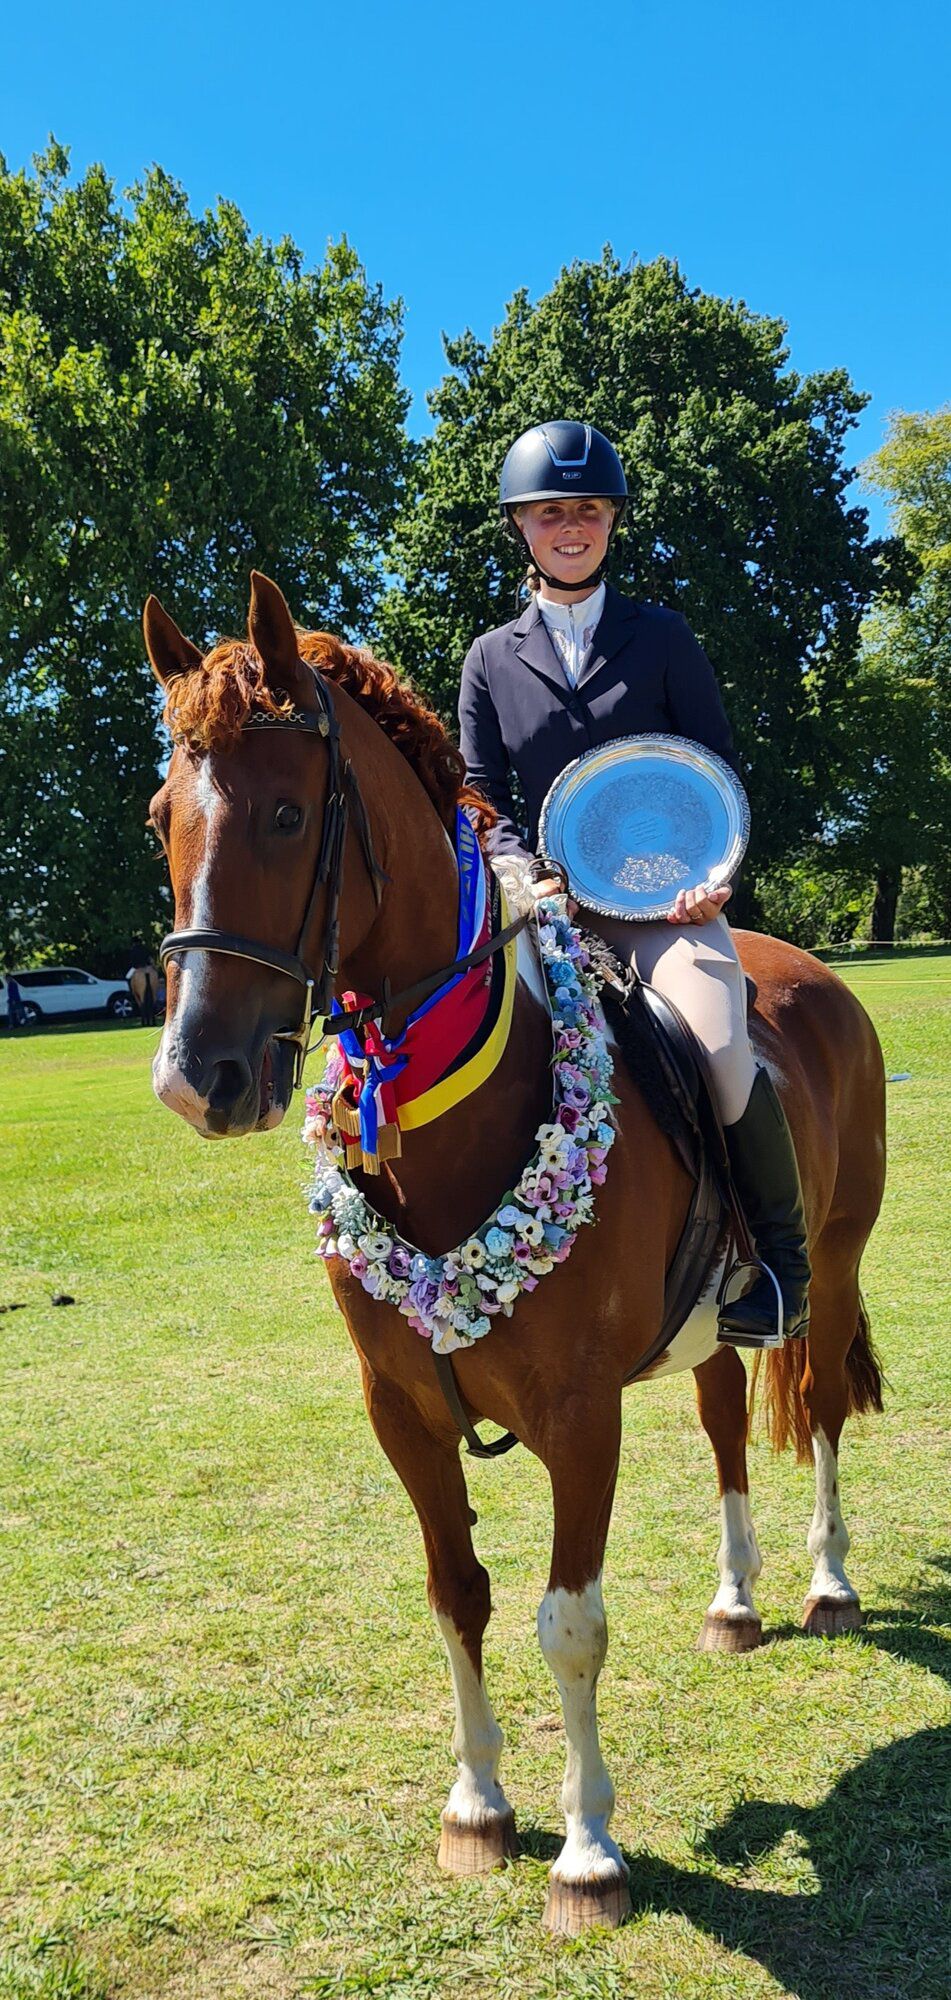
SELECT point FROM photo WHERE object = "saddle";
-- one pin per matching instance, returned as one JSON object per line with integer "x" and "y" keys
{"x": 669, "y": 1065}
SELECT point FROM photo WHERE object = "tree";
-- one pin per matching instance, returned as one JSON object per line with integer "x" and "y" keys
{"x": 179, "y": 401}
{"x": 895, "y": 708}
{"x": 737, "y": 514}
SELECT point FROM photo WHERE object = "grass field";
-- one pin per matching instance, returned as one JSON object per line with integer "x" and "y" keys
{"x": 225, "y": 1712}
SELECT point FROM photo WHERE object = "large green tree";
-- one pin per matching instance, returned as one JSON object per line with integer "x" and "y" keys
{"x": 738, "y": 515}
{"x": 179, "y": 400}
{"x": 895, "y": 708}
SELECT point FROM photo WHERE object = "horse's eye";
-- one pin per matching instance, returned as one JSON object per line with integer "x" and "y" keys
{"x": 287, "y": 819}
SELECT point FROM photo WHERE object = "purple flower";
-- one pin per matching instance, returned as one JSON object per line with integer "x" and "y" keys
{"x": 563, "y": 1208}
{"x": 578, "y": 1096}
{"x": 599, "y": 1176}
{"x": 529, "y": 1283}
{"x": 398, "y": 1262}
{"x": 568, "y": 1118}
{"x": 522, "y": 1253}
{"x": 359, "y": 1265}
{"x": 422, "y": 1295}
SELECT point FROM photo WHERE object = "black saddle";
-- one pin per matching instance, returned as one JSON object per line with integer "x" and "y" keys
{"x": 669, "y": 1066}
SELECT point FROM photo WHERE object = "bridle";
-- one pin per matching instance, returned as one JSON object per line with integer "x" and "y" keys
{"x": 344, "y": 799}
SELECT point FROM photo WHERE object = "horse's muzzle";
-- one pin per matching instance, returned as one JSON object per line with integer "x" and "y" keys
{"x": 224, "y": 1093}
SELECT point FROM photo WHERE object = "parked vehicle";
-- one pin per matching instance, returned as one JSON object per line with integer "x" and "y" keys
{"x": 54, "y": 990}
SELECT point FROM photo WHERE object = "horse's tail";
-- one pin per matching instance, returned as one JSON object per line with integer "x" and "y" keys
{"x": 783, "y": 1408}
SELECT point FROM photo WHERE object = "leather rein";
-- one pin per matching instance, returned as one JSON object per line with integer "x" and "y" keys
{"x": 344, "y": 799}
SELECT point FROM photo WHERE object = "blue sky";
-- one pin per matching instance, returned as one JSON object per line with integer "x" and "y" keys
{"x": 797, "y": 159}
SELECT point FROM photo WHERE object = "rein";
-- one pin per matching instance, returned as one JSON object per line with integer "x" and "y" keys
{"x": 344, "y": 798}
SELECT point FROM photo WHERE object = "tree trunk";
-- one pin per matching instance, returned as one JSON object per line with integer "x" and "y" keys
{"x": 887, "y": 892}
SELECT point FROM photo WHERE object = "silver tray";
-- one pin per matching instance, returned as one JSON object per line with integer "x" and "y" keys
{"x": 641, "y": 818}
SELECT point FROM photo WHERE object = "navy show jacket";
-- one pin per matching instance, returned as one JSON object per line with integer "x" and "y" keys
{"x": 518, "y": 711}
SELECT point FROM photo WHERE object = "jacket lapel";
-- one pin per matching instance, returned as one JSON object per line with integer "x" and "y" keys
{"x": 613, "y": 632}
{"x": 533, "y": 645}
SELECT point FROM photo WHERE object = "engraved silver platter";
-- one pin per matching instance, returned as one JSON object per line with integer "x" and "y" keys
{"x": 640, "y": 818}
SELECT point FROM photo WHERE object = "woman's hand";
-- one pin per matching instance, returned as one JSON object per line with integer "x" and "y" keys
{"x": 552, "y": 885}
{"x": 700, "y": 905}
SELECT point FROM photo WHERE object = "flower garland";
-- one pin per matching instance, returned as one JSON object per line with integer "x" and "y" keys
{"x": 450, "y": 1299}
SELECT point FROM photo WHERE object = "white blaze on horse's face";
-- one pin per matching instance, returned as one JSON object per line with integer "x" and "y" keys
{"x": 171, "y": 1085}
{"x": 217, "y": 1065}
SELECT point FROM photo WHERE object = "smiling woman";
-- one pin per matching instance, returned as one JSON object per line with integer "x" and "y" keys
{"x": 581, "y": 668}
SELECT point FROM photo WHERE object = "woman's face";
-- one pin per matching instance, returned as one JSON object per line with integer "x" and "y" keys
{"x": 568, "y": 538}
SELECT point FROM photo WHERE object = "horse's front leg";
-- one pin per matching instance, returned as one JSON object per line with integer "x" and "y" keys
{"x": 589, "y": 1880}
{"x": 732, "y": 1623}
{"x": 478, "y": 1825}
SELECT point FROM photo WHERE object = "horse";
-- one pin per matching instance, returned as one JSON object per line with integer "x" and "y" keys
{"x": 271, "y": 736}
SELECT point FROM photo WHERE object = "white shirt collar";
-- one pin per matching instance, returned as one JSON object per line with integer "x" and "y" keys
{"x": 571, "y": 628}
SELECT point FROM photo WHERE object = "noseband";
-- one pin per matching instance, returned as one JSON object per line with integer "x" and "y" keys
{"x": 344, "y": 797}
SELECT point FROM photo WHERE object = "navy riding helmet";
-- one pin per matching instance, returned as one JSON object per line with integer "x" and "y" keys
{"x": 560, "y": 461}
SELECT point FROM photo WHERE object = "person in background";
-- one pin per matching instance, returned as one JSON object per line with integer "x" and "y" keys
{"x": 15, "y": 1010}
{"x": 580, "y": 667}
{"x": 143, "y": 981}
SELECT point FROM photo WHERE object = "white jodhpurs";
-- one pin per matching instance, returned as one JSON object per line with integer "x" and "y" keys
{"x": 695, "y": 966}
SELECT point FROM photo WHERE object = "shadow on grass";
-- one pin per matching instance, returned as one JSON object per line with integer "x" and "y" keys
{"x": 880, "y": 1845}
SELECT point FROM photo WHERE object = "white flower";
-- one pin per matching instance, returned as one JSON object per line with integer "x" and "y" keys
{"x": 346, "y": 1244}
{"x": 548, "y": 1135}
{"x": 375, "y": 1245}
{"x": 507, "y": 1292}
{"x": 472, "y": 1254}
{"x": 540, "y": 1265}
{"x": 532, "y": 1231}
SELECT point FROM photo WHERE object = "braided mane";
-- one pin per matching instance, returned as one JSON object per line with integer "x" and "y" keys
{"x": 207, "y": 708}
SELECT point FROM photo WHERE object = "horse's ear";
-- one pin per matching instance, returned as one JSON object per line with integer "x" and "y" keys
{"x": 168, "y": 649}
{"x": 273, "y": 635}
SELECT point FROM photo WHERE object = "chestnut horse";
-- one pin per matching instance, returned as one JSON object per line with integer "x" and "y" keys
{"x": 243, "y": 814}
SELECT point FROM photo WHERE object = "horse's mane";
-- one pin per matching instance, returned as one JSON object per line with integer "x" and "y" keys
{"x": 207, "y": 708}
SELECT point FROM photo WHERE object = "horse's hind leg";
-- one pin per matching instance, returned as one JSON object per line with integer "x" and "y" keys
{"x": 836, "y": 1319}
{"x": 732, "y": 1623}
{"x": 589, "y": 1880}
{"x": 478, "y": 1825}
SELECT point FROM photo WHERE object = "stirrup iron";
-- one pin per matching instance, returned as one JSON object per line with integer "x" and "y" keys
{"x": 776, "y": 1337}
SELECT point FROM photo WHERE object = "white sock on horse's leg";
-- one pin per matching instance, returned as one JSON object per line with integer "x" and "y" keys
{"x": 738, "y": 1560}
{"x": 477, "y": 1805}
{"x": 573, "y": 1635}
{"x": 828, "y": 1538}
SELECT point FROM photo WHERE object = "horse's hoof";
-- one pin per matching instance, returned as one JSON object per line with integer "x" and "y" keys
{"x": 827, "y": 1617}
{"x": 721, "y": 1634}
{"x": 474, "y": 1850}
{"x": 573, "y": 1907}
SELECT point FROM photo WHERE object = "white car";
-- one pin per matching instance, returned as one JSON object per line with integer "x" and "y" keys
{"x": 62, "y": 989}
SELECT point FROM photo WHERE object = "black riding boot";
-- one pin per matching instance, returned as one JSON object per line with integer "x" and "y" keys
{"x": 763, "y": 1162}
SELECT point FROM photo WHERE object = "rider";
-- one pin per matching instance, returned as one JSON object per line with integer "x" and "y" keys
{"x": 581, "y": 666}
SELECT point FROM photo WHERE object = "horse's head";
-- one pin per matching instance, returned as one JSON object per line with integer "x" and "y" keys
{"x": 247, "y": 816}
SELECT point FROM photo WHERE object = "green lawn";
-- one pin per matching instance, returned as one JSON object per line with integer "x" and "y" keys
{"x": 225, "y": 1713}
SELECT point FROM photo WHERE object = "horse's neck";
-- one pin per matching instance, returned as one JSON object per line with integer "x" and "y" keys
{"x": 453, "y": 1172}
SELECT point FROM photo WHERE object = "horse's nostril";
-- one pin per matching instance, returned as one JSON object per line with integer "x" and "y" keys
{"x": 228, "y": 1081}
